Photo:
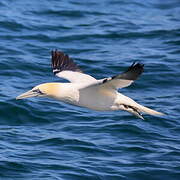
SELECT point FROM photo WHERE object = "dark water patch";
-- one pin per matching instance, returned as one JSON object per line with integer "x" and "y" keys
{"x": 21, "y": 113}
{"x": 175, "y": 52}
{"x": 69, "y": 13}
{"x": 35, "y": 37}
{"x": 155, "y": 174}
{"x": 13, "y": 169}
{"x": 175, "y": 42}
{"x": 166, "y": 6}
{"x": 116, "y": 35}
{"x": 12, "y": 26}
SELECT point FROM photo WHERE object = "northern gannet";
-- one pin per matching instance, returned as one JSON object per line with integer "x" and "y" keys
{"x": 86, "y": 91}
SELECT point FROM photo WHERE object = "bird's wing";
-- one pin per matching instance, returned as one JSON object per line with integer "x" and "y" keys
{"x": 64, "y": 67}
{"x": 121, "y": 80}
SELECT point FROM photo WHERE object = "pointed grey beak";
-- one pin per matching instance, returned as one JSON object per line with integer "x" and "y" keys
{"x": 28, "y": 94}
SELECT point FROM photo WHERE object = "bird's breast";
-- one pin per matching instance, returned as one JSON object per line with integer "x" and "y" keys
{"x": 95, "y": 99}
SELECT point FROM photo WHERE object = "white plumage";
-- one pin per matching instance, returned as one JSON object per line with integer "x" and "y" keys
{"x": 85, "y": 91}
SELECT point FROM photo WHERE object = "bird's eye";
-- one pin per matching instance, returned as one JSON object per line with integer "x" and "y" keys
{"x": 37, "y": 91}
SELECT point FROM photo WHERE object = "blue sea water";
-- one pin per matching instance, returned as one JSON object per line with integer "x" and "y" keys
{"x": 45, "y": 139}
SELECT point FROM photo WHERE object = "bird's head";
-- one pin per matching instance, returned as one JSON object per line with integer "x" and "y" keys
{"x": 46, "y": 89}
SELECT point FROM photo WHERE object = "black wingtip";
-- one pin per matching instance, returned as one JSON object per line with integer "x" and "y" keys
{"x": 134, "y": 71}
{"x": 62, "y": 62}
{"x": 136, "y": 67}
{"x": 136, "y": 64}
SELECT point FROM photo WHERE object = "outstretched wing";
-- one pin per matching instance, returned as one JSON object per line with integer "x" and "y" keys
{"x": 64, "y": 67}
{"x": 121, "y": 80}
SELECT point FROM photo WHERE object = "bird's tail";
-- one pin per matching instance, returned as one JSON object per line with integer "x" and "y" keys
{"x": 138, "y": 110}
{"x": 135, "y": 108}
{"x": 149, "y": 111}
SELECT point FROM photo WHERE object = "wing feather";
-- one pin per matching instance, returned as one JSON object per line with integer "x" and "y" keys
{"x": 121, "y": 80}
{"x": 62, "y": 62}
{"x": 65, "y": 67}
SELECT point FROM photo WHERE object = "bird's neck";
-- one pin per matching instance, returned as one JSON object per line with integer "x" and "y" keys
{"x": 61, "y": 91}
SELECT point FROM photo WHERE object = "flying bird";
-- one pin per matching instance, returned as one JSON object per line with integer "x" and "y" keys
{"x": 86, "y": 91}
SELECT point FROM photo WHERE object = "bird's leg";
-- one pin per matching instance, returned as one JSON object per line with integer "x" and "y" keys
{"x": 131, "y": 109}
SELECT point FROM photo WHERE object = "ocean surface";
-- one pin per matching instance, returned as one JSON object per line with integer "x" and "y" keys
{"x": 41, "y": 138}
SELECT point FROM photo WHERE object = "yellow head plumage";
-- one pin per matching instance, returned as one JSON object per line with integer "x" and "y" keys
{"x": 46, "y": 89}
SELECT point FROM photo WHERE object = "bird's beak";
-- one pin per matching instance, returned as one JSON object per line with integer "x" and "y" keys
{"x": 28, "y": 94}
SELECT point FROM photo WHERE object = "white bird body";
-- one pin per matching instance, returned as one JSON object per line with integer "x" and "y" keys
{"x": 79, "y": 94}
{"x": 85, "y": 91}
